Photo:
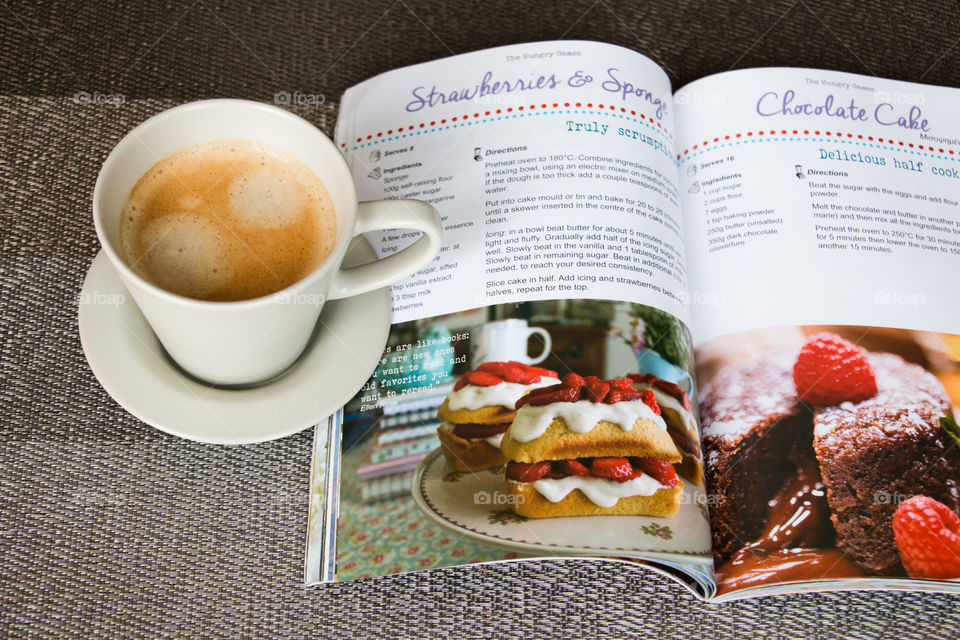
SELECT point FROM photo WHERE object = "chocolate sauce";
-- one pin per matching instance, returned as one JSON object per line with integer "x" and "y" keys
{"x": 797, "y": 542}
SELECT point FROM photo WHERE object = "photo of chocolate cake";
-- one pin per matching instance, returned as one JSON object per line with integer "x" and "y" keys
{"x": 873, "y": 452}
{"x": 863, "y": 431}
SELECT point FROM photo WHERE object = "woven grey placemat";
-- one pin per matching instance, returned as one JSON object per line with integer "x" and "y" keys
{"x": 108, "y": 526}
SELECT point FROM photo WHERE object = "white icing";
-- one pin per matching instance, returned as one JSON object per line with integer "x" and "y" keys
{"x": 666, "y": 401}
{"x": 580, "y": 416}
{"x": 600, "y": 491}
{"x": 493, "y": 440}
{"x": 506, "y": 394}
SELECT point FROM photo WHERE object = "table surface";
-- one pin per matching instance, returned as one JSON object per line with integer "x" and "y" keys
{"x": 109, "y": 527}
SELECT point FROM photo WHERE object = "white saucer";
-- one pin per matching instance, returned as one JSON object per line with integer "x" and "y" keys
{"x": 127, "y": 359}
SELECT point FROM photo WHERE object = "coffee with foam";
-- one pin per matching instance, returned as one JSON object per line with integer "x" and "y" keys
{"x": 227, "y": 220}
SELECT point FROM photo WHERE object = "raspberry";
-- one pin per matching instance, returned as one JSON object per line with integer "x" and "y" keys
{"x": 596, "y": 390}
{"x": 527, "y": 471}
{"x": 660, "y": 470}
{"x": 574, "y": 468}
{"x": 549, "y": 395}
{"x": 831, "y": 370}
{"x": 612, "y": 468}
{"x": 928, "y": 538}
{"x": 573, "y": 380}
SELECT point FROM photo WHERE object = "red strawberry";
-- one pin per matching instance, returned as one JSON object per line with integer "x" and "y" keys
{"x": 461, "y": 383}
{"x": 831, "y": 370}
{"x": 549, "y": 395}
{"x": 491, "y": 367}
{"x": 612, "y": 468}
{"x": 574, "y": 468}
{"x": 513, "y": 373}
{"x": 596, "y": 390}
{"x": 573, "y": 380}
{"x": 483, "y": 379}
{"x": 660, "y": 470}
{"x": 623, "y": 384}
{"x": 527, "y": 471}
{"x": 549, "y": 373}
{"x": 669, "y": 388}
{"x": 616, "y": 395}
{"x": 650, "y": 400}
{"x": 928, "y": 538}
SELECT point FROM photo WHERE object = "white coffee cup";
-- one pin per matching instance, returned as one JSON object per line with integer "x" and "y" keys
{"x": 506, "y": 340}
{"x": 250, "y": 341}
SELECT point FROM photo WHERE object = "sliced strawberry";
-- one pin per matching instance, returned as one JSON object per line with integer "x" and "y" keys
{"x": 574, "y": 468}
{"x": 555, "y": 474}
{"x": 612, "y": 468}
{"x": 540, "y": 371}
{"x": 527, "y": 471}
{"x": 623, "y": 384}
{"x": 549, "y": 397}
{"x": 668, "y": 388}
{"x": 596, "y": 390}
{"x": 495, "y": 368}
{"x": 461, "y": 383}
{"x": 617, "y": 395}
{"x": 513, "y": 373}
{"x": 572, "y": 380}
{"x": 650, "y": 400}
{"x": 483, "y": 379}
{"x": 660, "y": 470}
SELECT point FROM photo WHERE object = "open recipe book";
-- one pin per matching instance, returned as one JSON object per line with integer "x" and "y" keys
{"x": 711, "y": 332}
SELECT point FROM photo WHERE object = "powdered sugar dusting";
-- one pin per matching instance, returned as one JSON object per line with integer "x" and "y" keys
{"x": 740, "y": 397}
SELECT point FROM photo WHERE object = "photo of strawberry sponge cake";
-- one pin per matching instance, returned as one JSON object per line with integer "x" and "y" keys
{"x": 677, "y": 412}
{"x": 591, "y": 447}
{"x": 480, "y": 409}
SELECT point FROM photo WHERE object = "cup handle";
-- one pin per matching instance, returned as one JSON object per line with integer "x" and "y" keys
{"x": 390, "y": 214}
{"x": 547, "y": 344}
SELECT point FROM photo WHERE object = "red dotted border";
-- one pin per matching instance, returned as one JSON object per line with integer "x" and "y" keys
{"x": 816, "y": 132}
{"x": 494, "y": 112}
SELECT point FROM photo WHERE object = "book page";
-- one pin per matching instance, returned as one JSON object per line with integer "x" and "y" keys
{"x": 551, "y": 164}
{"x": 536, "y": 395}
{"x": 817, "y": 196}
{"x": 824, "y": 246}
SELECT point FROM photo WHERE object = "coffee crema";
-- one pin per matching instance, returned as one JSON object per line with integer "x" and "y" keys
{"x": 227, "y": 220}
